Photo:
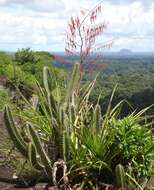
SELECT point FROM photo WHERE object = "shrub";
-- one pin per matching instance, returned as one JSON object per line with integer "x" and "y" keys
{"x": 24, "y": 56}
{"x": 4, "y": 61}
{"x": 4, "y": 99}
{"x": 136, "y": 146}
{"x": 21, "y": 78}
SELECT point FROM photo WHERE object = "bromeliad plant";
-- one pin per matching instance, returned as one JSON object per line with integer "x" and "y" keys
{"x": 66, "y": 130}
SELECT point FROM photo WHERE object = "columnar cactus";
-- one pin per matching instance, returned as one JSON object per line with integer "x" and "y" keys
{"x": 31, "y": 148}
{"x": 14, "y": 132}
{"x": 60, "y": 119}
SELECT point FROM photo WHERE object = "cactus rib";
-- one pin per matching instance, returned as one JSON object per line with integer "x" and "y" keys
{"x": 14, "y": 132}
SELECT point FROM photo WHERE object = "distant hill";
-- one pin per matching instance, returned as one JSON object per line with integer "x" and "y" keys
{"x": 125, "y": 52}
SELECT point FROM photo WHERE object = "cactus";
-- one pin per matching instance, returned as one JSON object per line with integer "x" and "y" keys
{"x": 59, "y": 119}
{"x": 97, "y": 118}
{"x": 120, "y": 176}
{"x": 14, "y": 132}
{"x": 34, "y": 158}
{"x": 73, "y": 83}
{"x": 39, "y": 148}
{"x": 30, "y": 150}
{"x": 48, "y": 89}
{"x": 48, "y": 85}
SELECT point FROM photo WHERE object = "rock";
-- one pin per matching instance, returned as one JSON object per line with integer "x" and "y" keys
{"x": 52, "y": 188}
{"x": 5, "y": 186}
{"x": 5, "y": 173}
{"x": 14, "y": 176}
{"x": 3, "y": 81}
{"x": 40, "y": 186}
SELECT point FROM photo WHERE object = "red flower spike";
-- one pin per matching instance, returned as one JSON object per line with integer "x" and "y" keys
{"x": 77, "y": 21}
{"x": 73, "y": 23}
{"x": 82, "y": 35}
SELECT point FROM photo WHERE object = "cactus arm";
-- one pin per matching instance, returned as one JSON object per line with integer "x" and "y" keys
{"x": 33, "y": 157}
{"x": 97, "y": 118}
{"x": 73, "y": 82}
{"x": 48, "y": 89}
{"x": 46, "y": 75}
{"x": 44, "y": 158}
{"x": 14, "y": 133}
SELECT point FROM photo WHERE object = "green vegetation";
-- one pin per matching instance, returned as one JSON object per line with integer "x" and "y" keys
{"x": 23, "y": 68}
{"x": 4, "y": 99}
{"x": 25, "y": 56}
{"x": 65, "y": 132}
{"x": 87, "y": 141}
{"x": 133, "y": 75}
{"x": 135, "y": 79}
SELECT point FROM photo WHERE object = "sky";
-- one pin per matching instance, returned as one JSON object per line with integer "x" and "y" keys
{"x": 42, "y": 24}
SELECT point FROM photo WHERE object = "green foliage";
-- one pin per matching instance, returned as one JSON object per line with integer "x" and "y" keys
{"x": 24, "y": 56}
{"x": 5, "y": 60}
{"x": 4, "y": 99}
{"x": 70, "y": 128}
{"x": 136, "y": 146}
{"x": 22, "y": 79}
{"x": 135, "y": 79}
{"x": 25, "y": 67}
{"x": 35, "y": 61}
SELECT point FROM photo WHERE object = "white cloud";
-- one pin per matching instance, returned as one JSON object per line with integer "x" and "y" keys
{"x": 35, "y": 5}
{"x": 132, "y": 25}
{"x": 41, "y": 23}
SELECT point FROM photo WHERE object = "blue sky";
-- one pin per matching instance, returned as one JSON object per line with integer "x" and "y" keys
{"x": 41, "y": 24}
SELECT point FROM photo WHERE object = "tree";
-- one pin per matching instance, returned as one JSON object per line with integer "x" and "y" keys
{"x": 82, "y": 34}
{"x": 23, "y": 56}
